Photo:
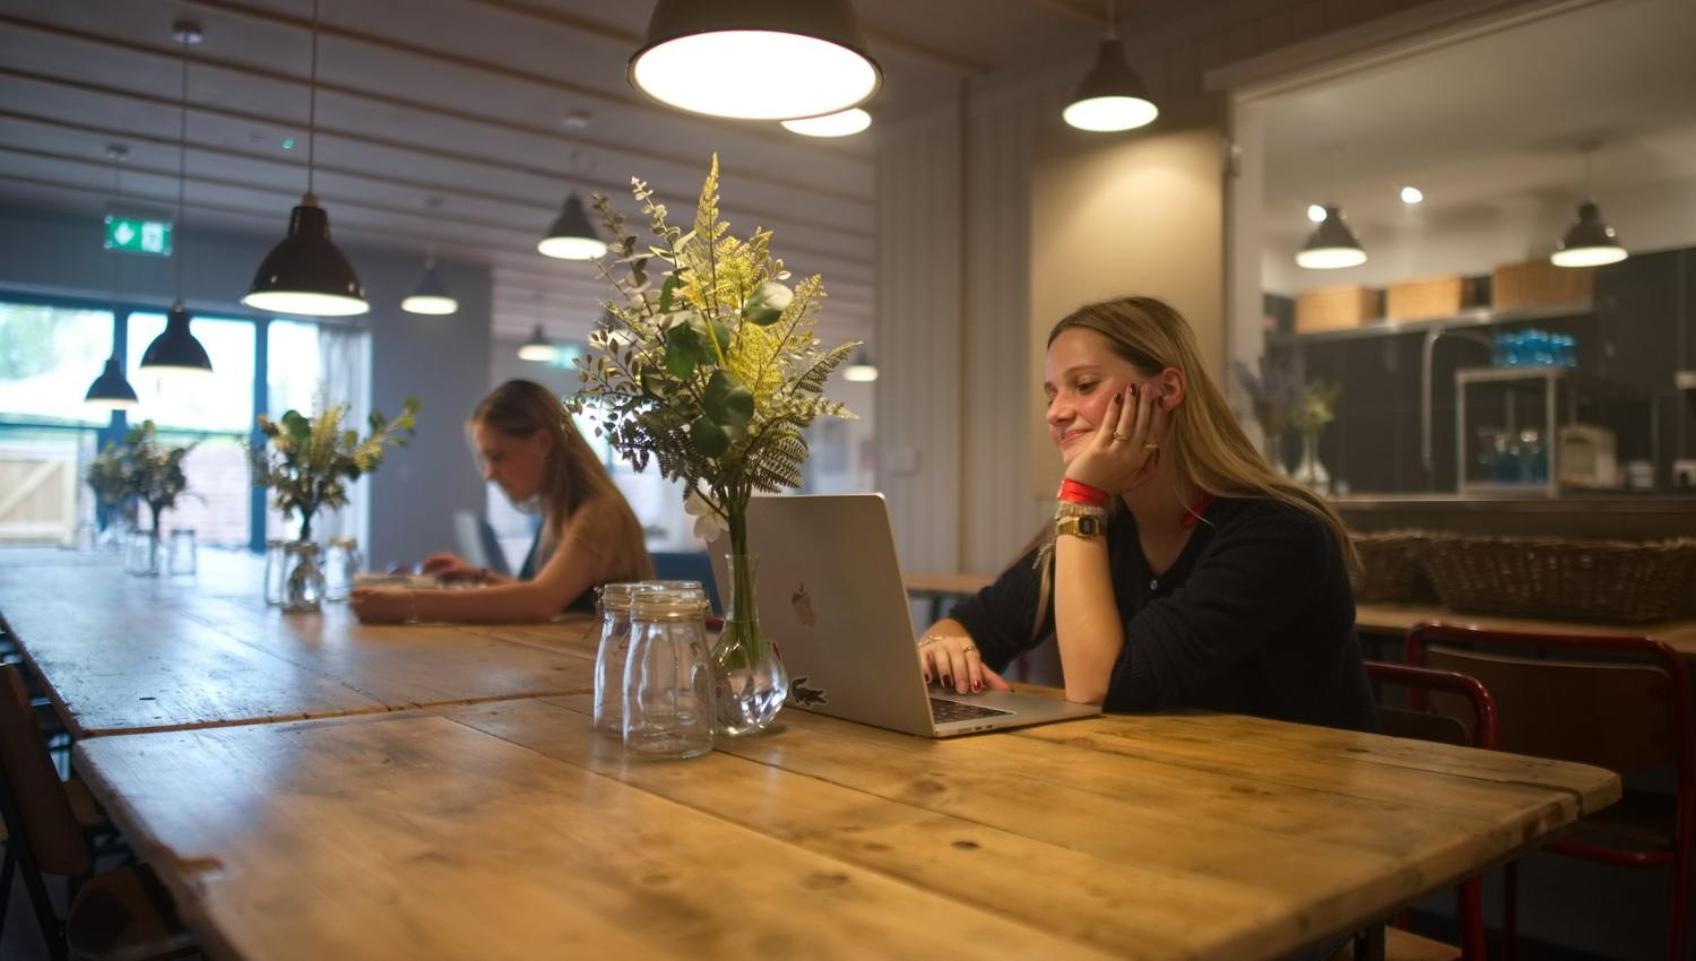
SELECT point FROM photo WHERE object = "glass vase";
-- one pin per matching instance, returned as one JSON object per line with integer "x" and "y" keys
{"x": 752, "y": 683}
{"x": 303, "y": 577}
{"x": 141, "y": 553}
{"x": 1311, "y": 473}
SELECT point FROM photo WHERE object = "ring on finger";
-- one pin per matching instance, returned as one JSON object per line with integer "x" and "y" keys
{"x": 1122, "y": 437}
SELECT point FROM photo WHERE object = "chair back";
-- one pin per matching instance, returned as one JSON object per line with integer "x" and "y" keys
{"x": 1458, "y": 708}
{"x": 37, "y": 796}
{"x": 1622, "y": 703}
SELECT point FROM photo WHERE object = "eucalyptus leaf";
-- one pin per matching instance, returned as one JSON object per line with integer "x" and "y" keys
{"x": 767, "y": 304}
{"x": 708, "y": 438}
{"x": 726, "y": 401}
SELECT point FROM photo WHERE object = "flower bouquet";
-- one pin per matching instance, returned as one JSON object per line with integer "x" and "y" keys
{"x": 308, "y": 463}
{"x": 707, "y": 364}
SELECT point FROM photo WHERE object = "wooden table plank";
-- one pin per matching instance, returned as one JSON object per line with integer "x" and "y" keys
{"x": 418, "y": 838}
{"x": 1397, "y": 618}
{"x": 122, "y": 653}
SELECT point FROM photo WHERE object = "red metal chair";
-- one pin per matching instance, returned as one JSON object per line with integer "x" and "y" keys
{"x": 1622, "y": 703}
{"x": 1473, "y": 727}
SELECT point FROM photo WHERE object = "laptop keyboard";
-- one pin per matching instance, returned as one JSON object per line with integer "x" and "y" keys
{"x": 944, "y": 710}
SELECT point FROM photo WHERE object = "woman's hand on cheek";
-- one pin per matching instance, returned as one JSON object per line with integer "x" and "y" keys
{"x": 1126, "y": 447}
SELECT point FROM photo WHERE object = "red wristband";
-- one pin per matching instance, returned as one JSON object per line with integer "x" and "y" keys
{"x": 1077, "y": 492}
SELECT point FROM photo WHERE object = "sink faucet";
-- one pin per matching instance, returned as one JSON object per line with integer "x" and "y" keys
{"x": 1426, "y": 350}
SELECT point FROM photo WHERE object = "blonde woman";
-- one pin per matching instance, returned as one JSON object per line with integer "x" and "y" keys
{"x": 1180, "y": 570}
{"x": 526, "y": 443}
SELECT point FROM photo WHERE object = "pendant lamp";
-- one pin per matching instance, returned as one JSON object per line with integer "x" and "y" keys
{"x": 306, "y": 273}
{"x": 755, "y": 59}
{"x": 572, "y": 237}
{"x": 1589, "y": 242}
{"x": 430, "y": 297}
{"x": 1112, "y": 96}
{"x": 1332, "y": 244}
{"x": 862, "y": 370}
{"x": 176, "y": 354}
{"x": 111, "y": 390}
{"x": 845, "y": 124}
{"x": 538, "y": 347}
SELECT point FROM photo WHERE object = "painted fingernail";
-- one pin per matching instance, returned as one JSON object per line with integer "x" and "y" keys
{"x": 976, "y": 686}
{"x": 927, "y": 677}
{"x": 946, "y": 680}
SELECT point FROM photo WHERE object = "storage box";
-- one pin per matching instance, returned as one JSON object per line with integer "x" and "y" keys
{"x": 1424, "y": 298}
{"x": 1335, "y": 308}
{"x": 1538, "y": 283}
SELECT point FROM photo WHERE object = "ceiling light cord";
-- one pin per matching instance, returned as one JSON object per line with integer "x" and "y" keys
{"x": 312, "y": 105}
{"x": 182, "y": 166}
{"x": 1112, "y": 21}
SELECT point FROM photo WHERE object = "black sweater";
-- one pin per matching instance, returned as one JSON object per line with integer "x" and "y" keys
{"x": 1256, "y": 616}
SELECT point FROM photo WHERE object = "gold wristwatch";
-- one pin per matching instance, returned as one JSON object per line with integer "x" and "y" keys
{"x": 1080, "y": 525}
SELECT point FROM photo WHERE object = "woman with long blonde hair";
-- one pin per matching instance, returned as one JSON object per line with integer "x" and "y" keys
{"x": 1180, "y": 570}
{"x": 527, "y": 444}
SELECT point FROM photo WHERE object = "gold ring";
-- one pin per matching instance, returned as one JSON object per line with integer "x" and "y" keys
{"x": 1121, "y": 437}
{"x": 1151, "y": 446}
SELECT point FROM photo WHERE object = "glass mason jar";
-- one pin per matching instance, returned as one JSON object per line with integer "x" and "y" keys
{"x": 340, "y": 567}
{"x": 303, "y": 577}
{"x": 183, "y": 561}
{"x": 274, "y": 571}
{"x": 669, "y": 699}
{"x": 141, "y": 553}
{"x": 613, "y": 604}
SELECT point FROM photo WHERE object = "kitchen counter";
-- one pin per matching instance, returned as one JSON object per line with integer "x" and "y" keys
{"x": 1607, "y": 514}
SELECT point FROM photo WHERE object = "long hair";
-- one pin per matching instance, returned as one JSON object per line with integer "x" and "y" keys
{"x": 1204, "y": 443}
{"x": 574, "y": 476}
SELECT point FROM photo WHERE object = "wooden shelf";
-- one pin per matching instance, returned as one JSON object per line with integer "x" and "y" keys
{"x": 1476, "y": 317}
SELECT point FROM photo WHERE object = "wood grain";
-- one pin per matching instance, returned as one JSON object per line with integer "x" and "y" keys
{"x": 121, "y": 653}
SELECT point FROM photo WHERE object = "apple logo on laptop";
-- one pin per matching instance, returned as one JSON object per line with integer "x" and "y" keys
{"x": 803, "y": 604}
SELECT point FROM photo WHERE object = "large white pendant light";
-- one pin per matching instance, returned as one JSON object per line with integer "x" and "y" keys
{"x": 111, "y": 390}
{"x": 572, "y": 236}
{"x": 538, "y": 348}
{"x": 175, "y": 356}
{"x": 1112, "y": 96}
{"x": 755, "y": 59}
{"x": 1332, "y": 245}
{"x": 1589, "y": 242}
{"x": 306, "y": 273}
{"x": 430, "y": 297}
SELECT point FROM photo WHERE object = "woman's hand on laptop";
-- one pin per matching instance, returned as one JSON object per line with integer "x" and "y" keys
{"x": 952, "y": 660}
{"x": 452, "y": 567}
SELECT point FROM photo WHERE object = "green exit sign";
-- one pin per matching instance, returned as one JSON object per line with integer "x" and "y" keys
{"x": 138, "y": 235}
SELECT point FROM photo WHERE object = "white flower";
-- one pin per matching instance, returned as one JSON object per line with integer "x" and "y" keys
{"x": 708, "y": 523}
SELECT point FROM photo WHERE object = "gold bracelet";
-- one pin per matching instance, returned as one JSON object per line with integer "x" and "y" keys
{"x": 1070, "y": 509}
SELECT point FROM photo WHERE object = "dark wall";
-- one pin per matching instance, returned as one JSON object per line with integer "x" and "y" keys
{"x": 1642, "y": 330}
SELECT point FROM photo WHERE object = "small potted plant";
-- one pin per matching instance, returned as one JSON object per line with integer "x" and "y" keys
{"x": 308, "y": 463}
{"x": 140, "y": 469}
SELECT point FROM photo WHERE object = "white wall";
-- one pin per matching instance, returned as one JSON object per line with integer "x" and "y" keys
{"x": 442, "y": 360}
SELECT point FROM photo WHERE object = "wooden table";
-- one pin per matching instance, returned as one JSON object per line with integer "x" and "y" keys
{"x": 124, "y": 654}
{"x": 1397, "y": 618}
{"x": 509, "y": 830}
{"x": 940, "y": 588}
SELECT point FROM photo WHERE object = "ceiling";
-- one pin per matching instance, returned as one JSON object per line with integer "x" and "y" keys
{"x": 1492, "y": 125}
{"x": 462, "y": 124}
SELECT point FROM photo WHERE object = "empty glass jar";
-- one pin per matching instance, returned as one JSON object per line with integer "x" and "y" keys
{"x": 183, "y": 560}
{"x": 340, "y": 567}
{"x": 274, "y": 571}
{"x": 141, "y": 553}
{"x": 614, "y": 606}
{"x": 669, "y": 700}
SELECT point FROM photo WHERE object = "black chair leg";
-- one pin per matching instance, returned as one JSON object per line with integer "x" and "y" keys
{"x": 52, "y": 929}
{"x": 8, "y": 867}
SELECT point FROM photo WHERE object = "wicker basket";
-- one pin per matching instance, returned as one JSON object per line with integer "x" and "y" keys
{"x": 1392, "y": 567}
{"x": 1552, "y": 578}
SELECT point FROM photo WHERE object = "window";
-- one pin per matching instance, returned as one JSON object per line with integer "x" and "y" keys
{"x": 48, "y": 357}
{"x": 308, "y": 367}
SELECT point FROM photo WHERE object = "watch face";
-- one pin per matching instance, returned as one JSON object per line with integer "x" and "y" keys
{"x": 1089, "y": 526}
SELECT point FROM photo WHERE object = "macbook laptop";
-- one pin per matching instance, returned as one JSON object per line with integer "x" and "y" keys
{"x": 830, "y": 595}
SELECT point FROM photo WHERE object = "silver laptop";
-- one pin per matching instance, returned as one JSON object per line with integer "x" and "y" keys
{"x": 830, "y": 595}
